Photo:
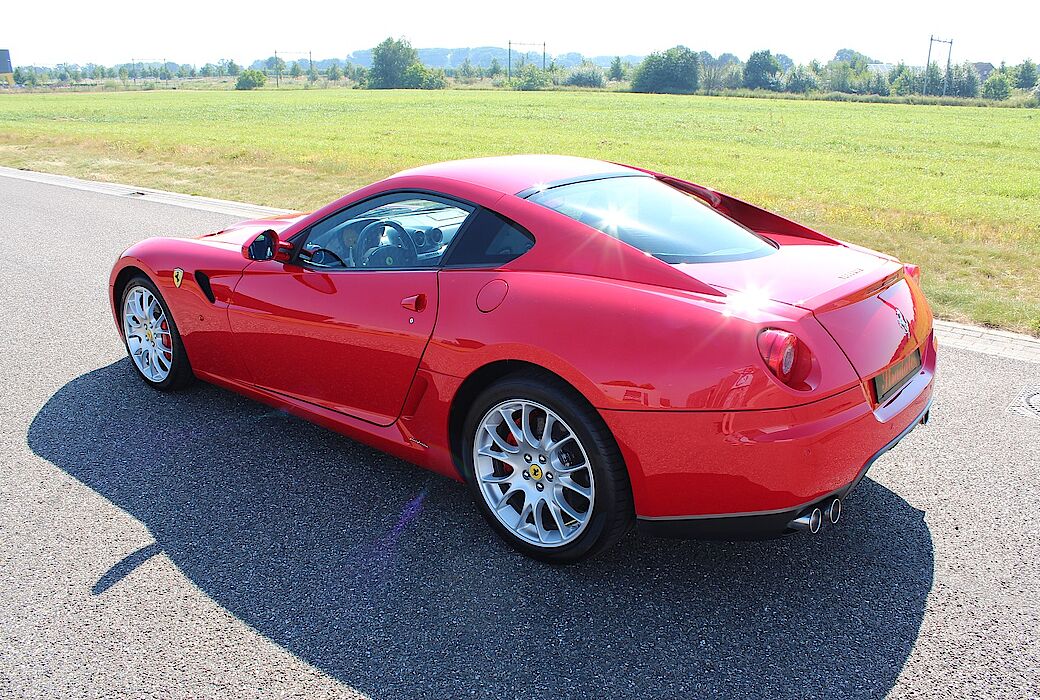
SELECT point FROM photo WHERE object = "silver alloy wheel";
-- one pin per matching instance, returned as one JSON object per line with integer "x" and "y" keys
{"x": 147, "y": 332}
{"x": 533, "y": 473}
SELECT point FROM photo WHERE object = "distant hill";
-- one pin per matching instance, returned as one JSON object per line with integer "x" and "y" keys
{"x": 480, "y": 56}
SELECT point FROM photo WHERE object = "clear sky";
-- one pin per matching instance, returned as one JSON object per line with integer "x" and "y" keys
{"x": 193, "y": 31}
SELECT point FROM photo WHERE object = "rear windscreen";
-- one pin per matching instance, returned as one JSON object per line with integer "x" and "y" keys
{"x": 655, "y": 218}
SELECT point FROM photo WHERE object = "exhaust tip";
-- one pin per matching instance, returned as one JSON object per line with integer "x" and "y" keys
{"x": 815, "y": 520}
{"x": 811, "y": 521}
{"x": 926, "y": 417}
{"x": 834, "y": 511}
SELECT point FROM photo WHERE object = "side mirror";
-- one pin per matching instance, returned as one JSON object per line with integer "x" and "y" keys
{"x": 283, "y": 251}
{"x": 262, "y": 247}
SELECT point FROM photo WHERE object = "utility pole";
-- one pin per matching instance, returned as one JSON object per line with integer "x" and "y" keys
{"x": 928, "y": 64}
{"x": 310, "y": 63}
{"x": 509, "y": 62}
{"x": 946, "y": 76}
{"x": 543, "y": 55}
{"x": 278, "y": 70}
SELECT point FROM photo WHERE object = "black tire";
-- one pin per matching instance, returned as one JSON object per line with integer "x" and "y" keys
{"x": 180, "y": 374}
{"x": 612, "y": 509}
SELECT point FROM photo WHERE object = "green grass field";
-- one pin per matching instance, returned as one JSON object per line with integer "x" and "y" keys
{"x": 956, "y": 189}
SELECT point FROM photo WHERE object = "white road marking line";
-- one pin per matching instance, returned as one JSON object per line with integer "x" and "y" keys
{"x": 221, "y": 206}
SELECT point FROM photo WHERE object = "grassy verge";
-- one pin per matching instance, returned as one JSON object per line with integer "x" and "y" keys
{"x": 957, "y": 190}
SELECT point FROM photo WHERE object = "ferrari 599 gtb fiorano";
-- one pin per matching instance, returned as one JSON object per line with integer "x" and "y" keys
{"x": 587, "y": 345}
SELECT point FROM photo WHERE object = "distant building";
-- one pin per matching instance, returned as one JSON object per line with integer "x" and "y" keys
{"x": 6, "y": 71}
{"x": 984, "y": 69}
{"x": 882, "y": 68}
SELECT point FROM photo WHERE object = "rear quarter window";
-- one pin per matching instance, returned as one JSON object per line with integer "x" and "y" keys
{"x": 489, "y": 240}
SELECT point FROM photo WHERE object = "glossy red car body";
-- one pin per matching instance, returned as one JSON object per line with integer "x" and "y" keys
{"x": 666, "y": 353}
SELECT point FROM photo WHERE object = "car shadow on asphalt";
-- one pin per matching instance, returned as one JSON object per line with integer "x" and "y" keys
{"x": 385, "y": 577}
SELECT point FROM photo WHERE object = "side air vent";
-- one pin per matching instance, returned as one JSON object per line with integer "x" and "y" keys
{"x": 202, "y": 279}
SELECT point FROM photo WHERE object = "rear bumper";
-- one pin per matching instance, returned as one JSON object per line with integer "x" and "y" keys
{"x": 760, "y": 525}
{"x": 748, "y": 473}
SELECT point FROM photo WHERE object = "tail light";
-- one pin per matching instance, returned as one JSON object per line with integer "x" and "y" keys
{"x": 913, "y": 271}
{"x": 787, "y": 357}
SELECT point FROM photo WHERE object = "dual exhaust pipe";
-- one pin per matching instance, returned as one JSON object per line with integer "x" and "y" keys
{"x": 812, "y": 520}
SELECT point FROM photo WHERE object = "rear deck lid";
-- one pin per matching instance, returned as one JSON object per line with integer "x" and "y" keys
{"x": 865, "y": 301}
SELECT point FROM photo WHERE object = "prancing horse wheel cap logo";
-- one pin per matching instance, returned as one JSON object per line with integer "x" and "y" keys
{"x": 178, "y": 276}
{"x": 536, "y": 472}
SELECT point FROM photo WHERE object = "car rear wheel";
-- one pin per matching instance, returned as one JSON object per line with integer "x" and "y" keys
{"x": 151, "y": 337}
{"x": 547, "y": 472}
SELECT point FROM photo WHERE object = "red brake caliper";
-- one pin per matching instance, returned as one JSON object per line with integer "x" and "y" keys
{"x": 166, "y": 340}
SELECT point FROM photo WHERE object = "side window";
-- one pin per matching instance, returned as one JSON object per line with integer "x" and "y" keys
{"x": 401, "y": 230}
{"x": 490, "y": 240}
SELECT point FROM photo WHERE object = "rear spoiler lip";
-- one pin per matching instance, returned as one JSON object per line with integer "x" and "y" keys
{"x": 852, "y": 291}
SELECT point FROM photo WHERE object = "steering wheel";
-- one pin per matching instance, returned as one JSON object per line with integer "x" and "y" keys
{"x": 314, "y": 252}
{"x": 400, "y": 252}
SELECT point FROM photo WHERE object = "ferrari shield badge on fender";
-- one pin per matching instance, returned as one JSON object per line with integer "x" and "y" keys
{"x": 178, "y": 276}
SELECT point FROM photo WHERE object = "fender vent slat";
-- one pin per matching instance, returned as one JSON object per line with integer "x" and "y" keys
{"x": 202, "y": 279}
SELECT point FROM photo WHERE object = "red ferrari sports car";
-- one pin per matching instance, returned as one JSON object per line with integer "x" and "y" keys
{"x": 587, "y": 345}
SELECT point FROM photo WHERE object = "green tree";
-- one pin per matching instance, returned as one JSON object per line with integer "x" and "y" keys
{"x": 1027, "y": 75}
{"x": 617, "y": 70}
{"x": 124, "y": 75}
{"x": 230, "y": 67}
{"x": 467, "y": 73}
{"x": 760, "y": 71}
{"x": 676, "y": 71}
{"x": 713, "y": 73}
{"x": 903, "y": 84}
{"x": 495, "y": 69}
{"x": 801, "y": 80}
{"x": 26, "y": 77}
{"x": 250, "y": 79}
{"x": 996, "y": 87}
{"x": 312, "y": 74}
{"x": 334, "y": 73}
{"x": 294, "y": 70}
{"x": 933, "y": 79}
{"x": 966, "y": 81}
{"x": 391, "y": 59}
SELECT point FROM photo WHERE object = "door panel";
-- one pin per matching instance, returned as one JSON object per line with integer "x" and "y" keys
{"x": 343, "y": 340}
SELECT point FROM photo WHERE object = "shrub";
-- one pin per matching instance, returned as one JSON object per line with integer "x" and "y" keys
{"x": 250, "y": 80}
{"x": 419, "y": 77}
{"x": 530, "y": 77}
{"x": 675, "y": 71}
{"x": 585, "y": 75}
{"x": 996, "y": 87}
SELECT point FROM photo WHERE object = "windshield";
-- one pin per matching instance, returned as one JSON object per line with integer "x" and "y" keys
{"x": 655, "y": 218}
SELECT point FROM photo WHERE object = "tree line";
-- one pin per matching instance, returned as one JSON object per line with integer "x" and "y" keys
{"x": 680, "y": 70}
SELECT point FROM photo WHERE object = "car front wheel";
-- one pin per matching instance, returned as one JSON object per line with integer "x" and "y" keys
{"x": 151, "y": 337}
{"x": 547, "y": 472}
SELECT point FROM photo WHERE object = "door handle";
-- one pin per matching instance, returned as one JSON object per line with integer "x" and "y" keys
{"x": 416, "y": 302}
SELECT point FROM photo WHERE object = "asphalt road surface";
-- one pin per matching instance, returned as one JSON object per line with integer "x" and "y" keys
{"x": 201, "y": 545}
